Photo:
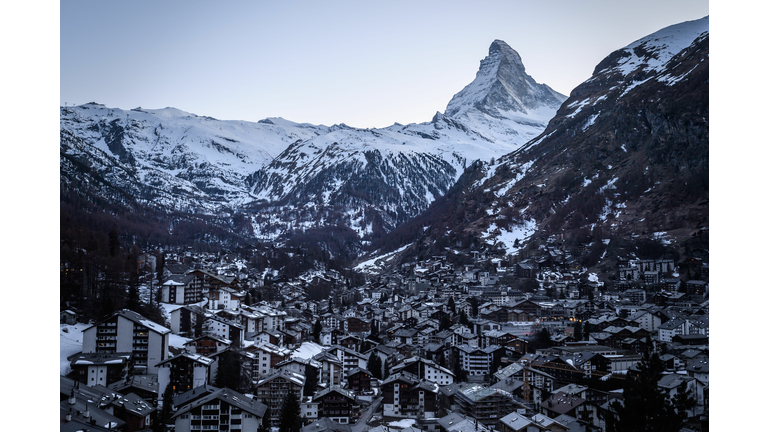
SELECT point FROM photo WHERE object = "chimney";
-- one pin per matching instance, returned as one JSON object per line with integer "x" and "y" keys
{"x": 69, "y": 415}
{"x": 71, "y": 400}
{"x": 87, "y": 413}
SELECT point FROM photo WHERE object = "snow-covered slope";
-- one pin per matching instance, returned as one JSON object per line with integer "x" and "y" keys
{"x": 626, "y": 155}
{"x": 170, "y": 157}
{"x": 374, "y": 179}
{"x": 296, "y": 176}
{"x": 503, "y": 102}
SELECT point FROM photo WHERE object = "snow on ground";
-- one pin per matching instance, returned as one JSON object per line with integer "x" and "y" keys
{"x": 372, "y": 264}
{"x": 405, "y": 423}
{"x": 307, "y": 350}
{"x": 506, "y": 237}
{"x": 177, "y": 341}
{"x": 70, "y": 342}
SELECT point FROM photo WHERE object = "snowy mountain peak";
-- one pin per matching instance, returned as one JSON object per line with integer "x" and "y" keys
{"x": 503, "y": 103}
{"x": 510, "y": 54}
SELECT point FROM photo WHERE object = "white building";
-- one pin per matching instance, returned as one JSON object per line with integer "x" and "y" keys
{"x": 128, "y": 332}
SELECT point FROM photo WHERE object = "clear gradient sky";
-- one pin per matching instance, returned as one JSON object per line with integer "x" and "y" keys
{"x": 366, "y": 64}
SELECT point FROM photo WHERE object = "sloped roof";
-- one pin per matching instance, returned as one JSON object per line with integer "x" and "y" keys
{"x": 231, "y": 397}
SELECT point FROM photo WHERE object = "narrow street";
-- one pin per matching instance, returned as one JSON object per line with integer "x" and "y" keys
{"x": 361, "y": 425}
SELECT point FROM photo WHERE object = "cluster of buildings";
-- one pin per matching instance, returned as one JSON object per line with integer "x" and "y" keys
{"x": 452, "y": 347}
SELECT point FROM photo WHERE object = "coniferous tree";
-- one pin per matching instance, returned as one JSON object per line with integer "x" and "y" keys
{"x": 229, "y": 373}
{"x": 160, "y": 267}
{"x": 165, "y": 412}
{"x": 475, "y": 305}
{"x": 317, "y": 329}
{"x": 386, "y": 369}
{"x": 578, "y": 334}
{"x": 290, "y": 414}
{"x": 311, "y": 383}
{"x": 266, "y": 422}
{"x": 374, "y": 365}
{"x": 645, "y": 407}
{"x": 463, "y": 318}
{"x": 132, "y": 302}
{"x": 445, "y": 323}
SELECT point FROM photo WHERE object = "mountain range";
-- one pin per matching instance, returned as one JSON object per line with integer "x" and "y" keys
{"x": 626, "y": 157}
{"x": 509, "y": 160}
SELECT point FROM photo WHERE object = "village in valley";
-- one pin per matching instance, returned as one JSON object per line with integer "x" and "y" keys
{"x": 473, "y": 341}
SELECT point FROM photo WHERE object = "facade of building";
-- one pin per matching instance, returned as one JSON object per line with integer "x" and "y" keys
{"x": 128, "y": 332}
{"x": 222, "y": 410}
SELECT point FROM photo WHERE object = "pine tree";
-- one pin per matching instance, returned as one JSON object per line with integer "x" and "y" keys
{"x": 317, "y": 329}
{"x": 463, "y": 318}
{"x": 166, "y": 411}
{"x": 374, "y": 365}
{"x": 577, "y": 332}
{"x": 229, "y": 372}
{"x": 266, "y": 422}
{"x": 132, "y": 302}
{"x": 645, "y": 407}
{"x": 311, "y": 383}
{"x": 290, "y": 414}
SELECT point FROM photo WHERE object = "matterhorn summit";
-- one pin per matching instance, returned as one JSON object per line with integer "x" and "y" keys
{"x": 503, "y": 102}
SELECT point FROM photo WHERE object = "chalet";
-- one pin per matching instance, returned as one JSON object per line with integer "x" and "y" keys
{"x": 84, "y": 405}
{"x": 268, "y": 356}
{"x": 563, "y": 403}
{"x": 671, "y": 328}
{"x": 526, "y": 269}
{"x": 207, "y": 345}
{"x": 337, "y": 404}
{"x": 271, "y": 391}
{"x": 405, "y": 396}
{"x": 425, "y": 369}
{"x": 359, "y": 380}
{"x": 184, "y": 372}
{"x": 223, "y": 410}
{"x": 331, "y": 368}
{"x": 67, "y": 317}
{"x": 349, "y": 359}
{"x": 326, "y": 425}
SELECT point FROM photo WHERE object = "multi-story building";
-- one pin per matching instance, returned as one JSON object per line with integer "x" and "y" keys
{"x": 183, "y": 372}
{"x": 405, "y": 396}
{"x": 128, "y": 332}
{"x": 337, "y": 404}
{"x": 485, "y": 404}
{"x": 425, "y": 369}
{"x": 100, "y": 368}
{"x": 268, "y": 356}
{"x": 478, "y": 361}
{"x": 271, "y": 391}
{"x": 221, "y": 410}
{"x": 182, "y": 289}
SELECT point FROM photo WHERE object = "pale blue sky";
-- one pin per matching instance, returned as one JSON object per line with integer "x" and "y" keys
{"x": 366, "y": 64}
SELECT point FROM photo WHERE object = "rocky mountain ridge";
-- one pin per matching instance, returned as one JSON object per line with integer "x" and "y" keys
{"x": 626, "y": 156}
{"x": 287, "y": 177}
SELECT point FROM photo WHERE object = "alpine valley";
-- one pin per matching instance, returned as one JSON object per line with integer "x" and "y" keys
{"x": 508, "y": 163}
